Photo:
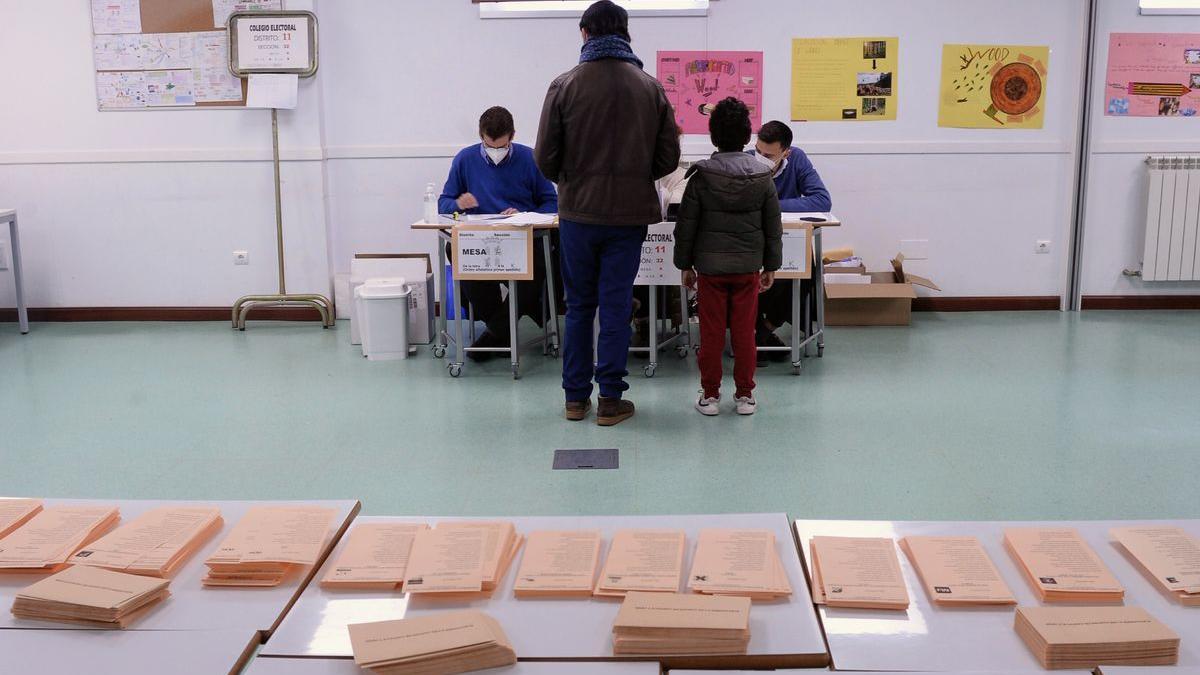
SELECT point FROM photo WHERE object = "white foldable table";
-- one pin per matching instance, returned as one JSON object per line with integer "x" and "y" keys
{"x": 10, "y": 216}
{"x": 927, "y": 638}
{"x": 191, "y": 605}
{"x": 72, "y": 652}
{"x": 783, "y": 634}
{"x": 267, "y": 665}
{"x": 1147, "y": 670}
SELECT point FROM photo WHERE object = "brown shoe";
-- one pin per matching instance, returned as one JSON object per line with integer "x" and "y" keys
{"x": 577, "y": 410}
{"x": 613, "y": 411}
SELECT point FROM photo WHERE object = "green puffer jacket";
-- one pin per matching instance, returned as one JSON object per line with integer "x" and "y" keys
{"x": 729, "y": 219}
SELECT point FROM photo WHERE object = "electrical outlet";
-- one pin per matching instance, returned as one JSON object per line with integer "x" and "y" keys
{"x": 914, "y": 249}
{"x": 1043, "y": 246}
{"x": 241, "y": 258}
{"x": 3, "y": 255}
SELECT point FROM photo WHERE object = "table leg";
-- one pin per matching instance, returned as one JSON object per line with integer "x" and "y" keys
{"x": 819, "y": 290}
{"x": 653, "y": 325}
{"x": 22, "y": 312}
{"x": 798, "y": 332}
{"x": 554, "y": 344}
{"x": 459, "y": 354}
{"x": 439, "y": 345}
{"x": 515, "y": 350}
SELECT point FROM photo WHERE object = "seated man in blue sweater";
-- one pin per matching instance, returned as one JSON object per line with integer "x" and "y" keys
{"x": 800, "y": 190}
{"x": 499, "y": 176}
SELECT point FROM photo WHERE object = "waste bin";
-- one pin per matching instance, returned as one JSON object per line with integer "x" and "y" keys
{"x": 382, "y": 308}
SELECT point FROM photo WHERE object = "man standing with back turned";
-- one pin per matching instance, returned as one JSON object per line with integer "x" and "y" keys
{"x": 607, "y": 133}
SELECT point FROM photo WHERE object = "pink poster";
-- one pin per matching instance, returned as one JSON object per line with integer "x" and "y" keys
{"x": 1153, "y": 75}
{"x": 695, "y": 81}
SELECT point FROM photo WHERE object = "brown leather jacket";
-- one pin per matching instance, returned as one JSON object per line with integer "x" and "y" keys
{"x": 607, "y": 133}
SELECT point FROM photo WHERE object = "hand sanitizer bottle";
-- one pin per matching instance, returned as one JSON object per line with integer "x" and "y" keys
{"x": 431, "y": 205}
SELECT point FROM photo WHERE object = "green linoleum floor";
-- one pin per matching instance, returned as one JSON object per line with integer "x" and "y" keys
{"x": 961, "y": 416}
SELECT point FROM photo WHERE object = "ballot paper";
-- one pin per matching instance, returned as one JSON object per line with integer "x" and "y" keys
{"x": 16, "y": 512}
{"x": 738, "y": 562}
{"x": 446, "y": 561}
{"x": 1087, "y": 637}
{"x": 643, "y": 560}
{"x": 957, "y": 571}
{"x": 559, "y": 564}
{"x": 437, "y": 644}
{"x": 375, "y": 556}
{"x": 500, "y": 545}
{"x": 1060, "y": 565}
{"x": 858, "y": 572}
{"x": 47, "y": 540}
{"x": 269, "y": 544}
{"x": 1168, "y": 555}
{"x": 155, "y": 543}
{"x": 273, "y": 90}
{"x": 657, "y": 624}
{"x": 518, "y": 219}
{"x": 90, "y": 596}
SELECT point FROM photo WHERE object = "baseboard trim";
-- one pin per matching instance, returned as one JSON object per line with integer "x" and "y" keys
{"x": 65, "y": 314}
{"x": 983, "y": 303}
{"x": 1141, "y": 302}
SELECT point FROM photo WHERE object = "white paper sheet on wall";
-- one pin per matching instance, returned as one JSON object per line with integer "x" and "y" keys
{"x": 121, "y": 90}
{"x": 210, "y": 69}
{"x": 170, "y": 88}
{"x": 116, "y": 16}
{"x": 273, "y": 90}
{"x": 223, "y": 8}
{"x": 152, "y": 51}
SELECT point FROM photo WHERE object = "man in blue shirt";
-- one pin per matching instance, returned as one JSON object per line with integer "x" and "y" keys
{"x": 800, "y": 190}
{"x": 499, "y": 176}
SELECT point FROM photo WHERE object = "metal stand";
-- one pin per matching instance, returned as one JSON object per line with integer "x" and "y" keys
{"x": 282, "y": 299}
{"x": 661, "y": 336}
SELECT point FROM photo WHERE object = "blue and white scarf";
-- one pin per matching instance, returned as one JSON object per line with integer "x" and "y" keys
{"x": 609, "y": 47}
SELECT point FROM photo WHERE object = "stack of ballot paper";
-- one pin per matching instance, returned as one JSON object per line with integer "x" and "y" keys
{"x": 1168, "y": 555}
{"x": 269, "y": 544}
{"x": 438, "y": 644}
{"x": 523, "y": 218}
{"x": 155, "y": 543}
{"x": 375, "y": 557}
{"x": 666, "y": 624}
{"x": 48, "y": 539}
{"x": 642, "y": 560}
{"x": 858, "y": 572}
{"x": 91, "y": 596}
{"x": 957, "y": 571}
{"x": 1061, "y": 567}
{"x": 16, "y": 512}
{"x": 738, "y": 562}
{"x": 1087, "y": 637}
{"x": 559, "y": 564}
{"x": 461, "y": 559}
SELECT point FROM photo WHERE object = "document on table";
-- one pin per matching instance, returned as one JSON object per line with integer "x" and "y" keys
{"x": 559, "y": 564}
{"x": 1061, "y": 566}
{"x": 16, "y": 512}
{"x": 451, "y": 642}
{"x": 500, "y": 545}
{"x": 375, "y": 556}
{"x": 1168, "y": 555}
{"x": 279, "y": 534}
{"x": 861, "y": 572}
{"x": 153, "y": 543}
{"x": 54, "y": 534}
{"x": 957, "y": 571}
{"x": 643, "y": 560}
{"x": 521, "y": 218}
{"x": 446, "y": 560}
{"x": 1084, "y": 637}
{"x": 738, "y": 562}
{"x": 89, "y": 595}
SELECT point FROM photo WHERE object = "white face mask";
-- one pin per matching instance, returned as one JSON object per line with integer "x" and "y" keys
{"x": 765, "y": 161}
{"x": 497, "y": 155}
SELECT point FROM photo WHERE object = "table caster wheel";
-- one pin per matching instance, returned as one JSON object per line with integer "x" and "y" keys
{"x": 681, "y": 352}
{"x": 796, "y": 366}
{"x": 820, "y": 351}
{"x": 554, "y": 352}
{"x": 439, "y": 352}
{"x": 516, "y": 371}
{"x": 455, "y": 369}
{"x": 649, "y": 371}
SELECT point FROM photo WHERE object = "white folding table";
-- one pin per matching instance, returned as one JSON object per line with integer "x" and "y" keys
{"x": 10, "y": 216}
{"x": 928, "y": 638}
{"x": 267, "y": 665}
{"x": 783, "y": 634}
{"x": 191, "y": 605}
{"x": 129, "y": 652}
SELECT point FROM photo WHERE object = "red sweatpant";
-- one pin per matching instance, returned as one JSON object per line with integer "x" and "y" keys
{"x": 727, "y": 301}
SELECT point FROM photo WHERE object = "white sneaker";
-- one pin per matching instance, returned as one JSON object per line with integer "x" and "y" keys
{"x": 708, "y": 406}
{"x": 746, "y": 405}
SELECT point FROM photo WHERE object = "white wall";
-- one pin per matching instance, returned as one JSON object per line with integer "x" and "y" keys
{"x": 1115, "y": 225}
{"x": 146, "y": 208}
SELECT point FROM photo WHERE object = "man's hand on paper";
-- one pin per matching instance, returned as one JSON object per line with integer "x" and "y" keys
{"x": 466, "y": 201}
{"x": 509, "y": 211}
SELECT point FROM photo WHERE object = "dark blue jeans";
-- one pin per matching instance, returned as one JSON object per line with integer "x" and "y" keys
{"x": 599, "y": 264}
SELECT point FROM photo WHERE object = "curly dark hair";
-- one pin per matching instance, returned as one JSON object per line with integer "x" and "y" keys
{"x": 729, "y": 125}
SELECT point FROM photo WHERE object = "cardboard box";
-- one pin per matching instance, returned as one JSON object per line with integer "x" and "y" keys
{"x": 417, "y": 270}
{"x": 886, "y": 301}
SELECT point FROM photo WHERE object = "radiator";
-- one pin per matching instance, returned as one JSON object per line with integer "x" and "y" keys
{"x": 1172, "y": 213}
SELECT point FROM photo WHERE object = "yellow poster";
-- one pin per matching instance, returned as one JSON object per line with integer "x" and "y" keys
{"x": 993, "y": 86}
{"x": 844, "y": 78}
